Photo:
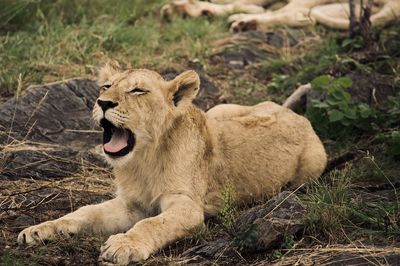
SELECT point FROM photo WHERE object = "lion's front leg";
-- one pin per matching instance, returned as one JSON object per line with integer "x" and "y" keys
{"x": 108, "y": 217}
{"x": 179, "y": 216}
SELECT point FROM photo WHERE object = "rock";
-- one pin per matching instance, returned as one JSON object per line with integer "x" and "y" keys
{"x": 240, "y": 57}
{"x": 283, "y": 215}
{"x": 42, "y": 163}
{"x": 247, "y": 48}
{"x": 215, "y": 249}
{"x": 57, "y": 113}
{"x": 23, "y": 220}
{"x": 374, "y": 89}
{"x": 48, "y": 131}
{"x": 259, "y": 228}
{"x": 209, "y": 94}
{"x": 278, "y": 39}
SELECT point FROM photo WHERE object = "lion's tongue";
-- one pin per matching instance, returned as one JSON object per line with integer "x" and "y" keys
{"x": 118, "y": 141}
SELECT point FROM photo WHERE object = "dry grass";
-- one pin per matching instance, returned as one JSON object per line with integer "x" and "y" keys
{"x": 341, "y": 255}
{"x": 24, "y": 202}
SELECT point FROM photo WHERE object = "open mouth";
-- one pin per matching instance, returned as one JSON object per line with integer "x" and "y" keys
{"x": 116, "y": 141}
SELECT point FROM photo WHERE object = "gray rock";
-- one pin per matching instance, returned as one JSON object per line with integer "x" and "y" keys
{"x": 240, "y": 57}
{"x": 259, "y": 228}
{"x": 54, "y": 163}
{"x": 215, "y": 249}
{"x": 54, "y": 128}
{"x": 23, "y": 220}
{"x": 281, "y": 216}
{"x": 247, "y": 48}
{"x": 57, "y": 113}
{"x": 209, "y": 94}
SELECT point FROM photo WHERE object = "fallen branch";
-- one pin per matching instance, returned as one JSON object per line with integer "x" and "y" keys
{"x": 339, "y": 162}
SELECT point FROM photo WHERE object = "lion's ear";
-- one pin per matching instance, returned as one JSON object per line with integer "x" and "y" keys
{"x": 185, "y": 88}
{"x": 108, "y": 70}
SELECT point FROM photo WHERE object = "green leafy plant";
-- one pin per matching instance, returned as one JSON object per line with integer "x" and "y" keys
{"x": 393, "y": 106}
{"x": 337, "y": 115}
{"x": 392, "y": 141}
{"x": 287, "y": 245}
{"x": 352, "y": 44}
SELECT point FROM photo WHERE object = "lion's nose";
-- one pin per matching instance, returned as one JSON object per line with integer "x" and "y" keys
{"x": 105, "y": 105}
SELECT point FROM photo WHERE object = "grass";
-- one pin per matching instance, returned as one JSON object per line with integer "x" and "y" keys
{"x": 44, "y": 41}
{"x": 328, "y": 202}
{"x": 7, "y": 259}
{"x": 342, "y": 212}
{"x": 286, "y": 74}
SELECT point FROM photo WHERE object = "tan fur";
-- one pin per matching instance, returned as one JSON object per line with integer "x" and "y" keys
{"x": 181, "y": 161}
{"x": 297, "y": 13}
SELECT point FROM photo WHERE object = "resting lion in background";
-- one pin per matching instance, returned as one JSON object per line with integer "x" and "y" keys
{"x": 331, "y": 13}
{"x": 171, "y": 161}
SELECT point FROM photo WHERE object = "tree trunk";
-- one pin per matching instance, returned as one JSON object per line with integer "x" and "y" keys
{"x": 353, "y": 21}
{"x": 365, "y": 25}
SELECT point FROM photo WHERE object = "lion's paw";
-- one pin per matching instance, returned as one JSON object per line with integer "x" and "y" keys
{"x": 120, "y": 249}
{"x": 243, "y": 22}
{"x": 233, "y": 18}
{"x": 40, "y": 234}
{"x": 181, "y": 7}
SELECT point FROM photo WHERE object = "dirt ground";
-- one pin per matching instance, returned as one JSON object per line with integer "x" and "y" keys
{"x": 27, "y": 202}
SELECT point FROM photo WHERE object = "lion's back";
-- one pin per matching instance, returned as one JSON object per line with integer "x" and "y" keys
{"x": 261, "y": 150}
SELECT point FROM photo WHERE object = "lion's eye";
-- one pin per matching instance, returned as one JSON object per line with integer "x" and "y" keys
{"x": 105, "y": 87}
{"x": 138, "y": 91}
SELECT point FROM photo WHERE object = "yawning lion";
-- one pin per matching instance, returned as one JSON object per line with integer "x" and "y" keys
{"x": 171, "y": 161}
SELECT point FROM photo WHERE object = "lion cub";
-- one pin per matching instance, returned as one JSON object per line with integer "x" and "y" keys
{"x": 171, "y": 161}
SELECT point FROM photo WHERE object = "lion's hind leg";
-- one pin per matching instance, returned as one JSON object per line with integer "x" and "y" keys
{"x": 312, "y": 162}
{"x": 195, "y": 8}
{"x": 388, "y": 13}
{"x": 334, "y": 16}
